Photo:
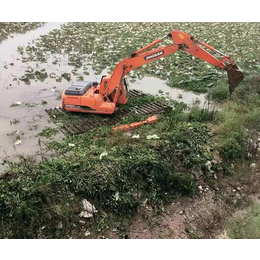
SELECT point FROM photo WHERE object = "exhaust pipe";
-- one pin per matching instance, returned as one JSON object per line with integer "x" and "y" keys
{"x": 235, "y": 76}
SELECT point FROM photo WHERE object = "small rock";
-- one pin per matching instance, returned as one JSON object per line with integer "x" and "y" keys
{"x": 252, "y": 165}
{"x": 200, "y": 188}
{"x": 250, "y": 141}
{"x": 238, "y": 188}
{"x": 82, "y": 222}
{"x": 87, "y": 206}
{"x": 249, "y": 155}
{"x": 234, "y": 190}
{"x": 215, "y": 176}
{"x": 197, "y": 172}
{"x": 114, "y": 230}
{"x": 85, "y": 214}
{"x": 181, "y": 212}
{"x": 87, "y": 233}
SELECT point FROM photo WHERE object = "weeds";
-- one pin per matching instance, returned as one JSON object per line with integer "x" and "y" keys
{"x": 48, "y": 132}
{"x": 218, "y": 93}
{"x": 246, "y": 226}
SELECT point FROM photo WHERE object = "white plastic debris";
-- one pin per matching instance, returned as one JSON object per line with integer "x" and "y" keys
{"x": 87, "y": 206}
{"x": 71, "y": 145}
{"x": 208, "y": 165}
{"x": 18, "y": 102}
{"x": 117, "y": 196}
{"x": 149, "y": 137}
{"x": 85, "y": 214}
{"x": 17, "y": 142}
{"x": 103, "y": 154}
{"x": 87, "y": 233}
{"x": 136, "y": 136}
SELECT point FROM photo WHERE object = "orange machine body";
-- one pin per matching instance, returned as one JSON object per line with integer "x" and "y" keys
{"x": 132, "y": 126}
{"x": 112, "y": 90}
{"x": 91, "y": 101}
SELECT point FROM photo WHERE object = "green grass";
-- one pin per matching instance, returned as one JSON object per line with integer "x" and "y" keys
{"x": 218, "y": 93}
{"x": 48, "y": 132}
{"x": 134, "y": 171}
{"x": 238, "y": 120}
{"x": 247, "y": 225}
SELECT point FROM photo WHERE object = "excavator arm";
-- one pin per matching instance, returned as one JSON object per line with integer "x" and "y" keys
{"x": 181, "y": 41}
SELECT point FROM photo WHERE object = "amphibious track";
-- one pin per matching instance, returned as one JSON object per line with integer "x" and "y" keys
{"x": 86, "y": 122}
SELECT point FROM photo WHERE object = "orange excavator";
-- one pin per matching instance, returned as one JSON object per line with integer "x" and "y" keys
{"x": 103, "y": 98}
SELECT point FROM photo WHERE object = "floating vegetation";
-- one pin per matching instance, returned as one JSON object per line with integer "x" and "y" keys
{"x": 102, "y": 45}
{"x": 8, "y": 28}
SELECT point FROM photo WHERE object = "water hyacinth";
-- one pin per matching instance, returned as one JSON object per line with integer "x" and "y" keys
{"x": 105, "y": 44}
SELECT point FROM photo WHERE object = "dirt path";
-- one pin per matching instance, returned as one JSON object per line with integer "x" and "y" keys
{"x": 206, "y": 216}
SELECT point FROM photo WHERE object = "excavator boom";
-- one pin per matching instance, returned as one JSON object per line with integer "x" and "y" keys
{"x": 112, "y": 90}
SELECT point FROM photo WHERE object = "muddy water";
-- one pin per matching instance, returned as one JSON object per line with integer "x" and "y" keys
{"x": 32, "y": 119}
{"x": 31, "y": 113}
{"x": 153, "y": 85}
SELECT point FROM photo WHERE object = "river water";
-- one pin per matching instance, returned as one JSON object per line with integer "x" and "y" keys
{"x": 33, "y": 118}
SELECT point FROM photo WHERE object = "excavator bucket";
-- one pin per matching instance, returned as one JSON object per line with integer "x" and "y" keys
{"x": 235, "y": 76}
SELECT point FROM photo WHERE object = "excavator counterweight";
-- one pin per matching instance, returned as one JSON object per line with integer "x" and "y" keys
{"x": 104, "y": 98}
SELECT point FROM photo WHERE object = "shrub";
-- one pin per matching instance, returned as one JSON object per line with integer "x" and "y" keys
{"x": 233, "y": 147}
{"x": 218, "y": 93}
{"x": 197, "y": 114}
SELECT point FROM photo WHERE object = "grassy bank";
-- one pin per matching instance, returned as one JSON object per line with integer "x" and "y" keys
{"x": 133, "y": 172}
